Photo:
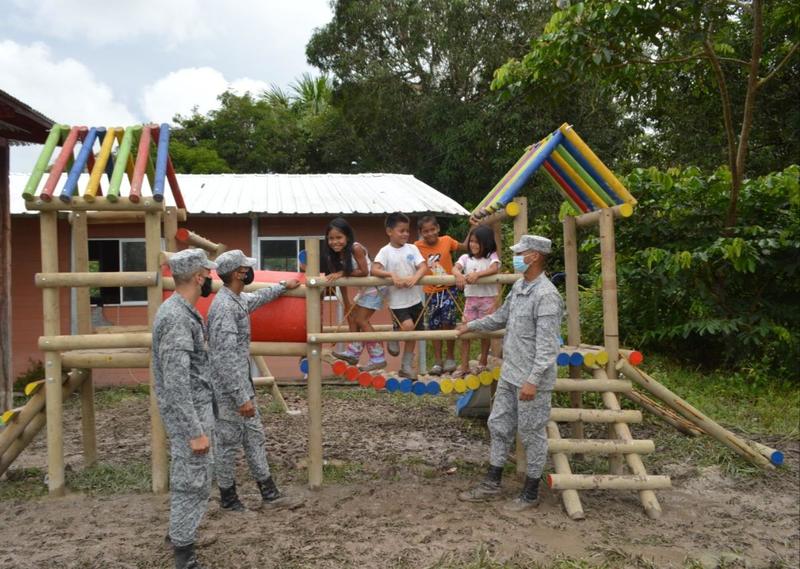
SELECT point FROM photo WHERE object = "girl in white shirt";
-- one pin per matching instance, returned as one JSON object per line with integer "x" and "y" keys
{"x": 481, "y": 261}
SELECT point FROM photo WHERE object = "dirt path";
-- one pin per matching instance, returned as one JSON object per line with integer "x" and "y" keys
{"x": 397, "y": 467}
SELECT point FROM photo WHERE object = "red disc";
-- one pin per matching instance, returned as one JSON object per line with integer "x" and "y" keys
{"x": 635, "y": 358}
{"x": 365, "y": 379}
{"x": 351, "y": 373}
{"x": 378, "y": 381}
{"x": 339, "y": 367}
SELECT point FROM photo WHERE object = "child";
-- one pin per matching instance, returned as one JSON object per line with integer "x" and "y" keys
{"x": 481, "y": 261}
{"x": 437, "y": 251}
{"x": 344, "y": 256}
{"x": 403, "y": 263}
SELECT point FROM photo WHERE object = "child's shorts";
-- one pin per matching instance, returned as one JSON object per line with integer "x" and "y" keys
{"x": 442, "y": 309}
{"x": 478, "y": 306}
{"x": 370, "y": 298}
{"x": 410, "y": 313}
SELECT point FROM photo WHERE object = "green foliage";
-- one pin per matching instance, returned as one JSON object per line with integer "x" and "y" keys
{"x": 35, "y": 372}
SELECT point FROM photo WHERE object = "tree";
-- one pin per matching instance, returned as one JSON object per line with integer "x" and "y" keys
{"x": 649, "y": 50}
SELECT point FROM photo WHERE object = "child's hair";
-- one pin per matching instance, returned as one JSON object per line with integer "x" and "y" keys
{"x": 426, "y": 219}
{"x": 340, "y": 261}
{"x": 485, "y": 237}
{"x": 394, "y": 218}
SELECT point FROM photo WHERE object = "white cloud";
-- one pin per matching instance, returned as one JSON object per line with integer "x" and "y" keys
{"x": 109, "y": 21}
{"x": 181, "y": 91}
{"x": 65, "y": 90}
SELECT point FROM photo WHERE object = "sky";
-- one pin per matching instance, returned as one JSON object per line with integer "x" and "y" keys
{"x": 122, "y": 62}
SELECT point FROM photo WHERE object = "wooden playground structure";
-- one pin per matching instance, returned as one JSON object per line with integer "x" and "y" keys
{"x": 576, "y": 172}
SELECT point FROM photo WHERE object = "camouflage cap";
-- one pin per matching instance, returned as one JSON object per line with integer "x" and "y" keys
{"x": 189, "y": 261}
{"x": 229, "y": 261}
{"x": 533, "y": 243}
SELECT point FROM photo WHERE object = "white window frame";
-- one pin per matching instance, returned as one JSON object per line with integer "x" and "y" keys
{"x": 298, "y": 240}
{"x": 120, "y": 241}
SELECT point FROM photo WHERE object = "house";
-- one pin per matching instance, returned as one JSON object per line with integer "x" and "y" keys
{"x": 268, "y": 216}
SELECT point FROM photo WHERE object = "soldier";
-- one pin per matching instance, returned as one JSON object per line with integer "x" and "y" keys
{"x": 185, "y": 399}
{"x": 531, "y": 315}
{"x": 239, "y": 422}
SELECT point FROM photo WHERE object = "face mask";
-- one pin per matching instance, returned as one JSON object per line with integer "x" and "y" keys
{"x": 205, "y": 289}
{"x": 520, "y": 265}
{"x": 249, "y": 277}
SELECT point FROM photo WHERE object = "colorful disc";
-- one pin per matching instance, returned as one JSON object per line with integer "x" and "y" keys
{"x": 339, "y": 367}
{"x": 601, "y": 358}
{"x": 496, "y": 373}
{"x": 365, "y": 379}
{"x": 378, "y": 381}
{"x": 392, "y": 385}
{"x": 418, "y": 388}
{"x": 576, "y": 359}
{"x": 351, "y": 373}
{"x": 303, "y": 365}
{"x": 472, "y": 382}
{"x": 589, "y": 359}
{"x": 446, "y": 386}
{"x": 562, "y": 359}
{"x": 460, "y": 385}
{"x": 635, "y": 358}
{"x": 405, "y": 386}
{"x": 433, "y": 388}
{"x": 486, "y": 377}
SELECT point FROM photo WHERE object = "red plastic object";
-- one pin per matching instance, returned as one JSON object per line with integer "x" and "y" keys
{"x": 351, "y": 373}
{"x": 378, "y": 381}
{"x": 282, "y": 320}
{"x": 364, "y": 379}
{"x": 635, "y": 358}
{"x": 339, "y": 367}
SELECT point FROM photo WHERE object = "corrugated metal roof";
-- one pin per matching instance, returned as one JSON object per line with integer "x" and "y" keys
{"x": 291, "y": 194}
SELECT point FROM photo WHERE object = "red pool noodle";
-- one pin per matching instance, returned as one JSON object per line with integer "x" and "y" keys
{"x": 142, "y": 157}
{"x": 61, "y": 162}
{"x": 565, "y": 186}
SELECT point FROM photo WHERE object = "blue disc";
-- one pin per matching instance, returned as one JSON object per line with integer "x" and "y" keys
{"x": 301, "y": 256}
{"x": 576, "y": 359}
{"x": 419, "y": 388}
{"x": 433, "y": 388}
{"x": 406, "y": 385}
{"x": 304, "y": 365}
{"x": 392, "y": 384}
{"x": 562, "y": 359}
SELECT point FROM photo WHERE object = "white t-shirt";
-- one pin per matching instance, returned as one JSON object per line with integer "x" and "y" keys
{"x": 403, "y": 262}
{"x": 473, "y": 265}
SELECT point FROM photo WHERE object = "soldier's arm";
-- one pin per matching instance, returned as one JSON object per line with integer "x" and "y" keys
{"x": 494, "y": 321}
{"x": 230, "y": 376}
{"x": 175, "y": 350}
{"x": 548, "y": 328}
{"x": 255, "y": 299}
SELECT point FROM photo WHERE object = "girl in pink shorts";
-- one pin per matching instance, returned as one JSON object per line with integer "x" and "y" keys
{"x": 481, "y": 261}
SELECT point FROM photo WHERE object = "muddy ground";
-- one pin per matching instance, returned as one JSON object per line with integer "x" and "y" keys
{"x": 397, "y": 463}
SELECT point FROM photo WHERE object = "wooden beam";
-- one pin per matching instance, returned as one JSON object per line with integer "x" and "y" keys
{"x": 86, "y": 279}
{"x": 313, "y": 326}
{"x": 6, "y": 380}
{"x": 606, "y": 482}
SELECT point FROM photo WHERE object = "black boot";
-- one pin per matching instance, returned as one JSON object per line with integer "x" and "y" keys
{"x": 487, "y": 489}
{"x": 274, "y": 498}
{"x": 229, "y": 500}
{"x": 528, "y": 498}
{"x": 185, "y": 558}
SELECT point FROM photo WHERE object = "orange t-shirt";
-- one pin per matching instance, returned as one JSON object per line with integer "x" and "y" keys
{"x": 439, "y": 258}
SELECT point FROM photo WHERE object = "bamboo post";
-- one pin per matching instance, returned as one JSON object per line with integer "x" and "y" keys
{"x": 694, "y": 415}
{"x": 263, "y": 369}
{"x": 599, "y": 385}
{"x": 573, "y": 309}
{"x": 84, "y": 279}
{"x": 666, "y": 415}
{"x": 158, "y": 437}
{"x": 83, "y": 311}
{"x": 171, "y": 228}
{"x": 570, "y": 497}
{"x": 608, "y": 269}
{"x": 520, "y": 228}
{"x": 601, "y": 482}
{"x": 646, "y": 496}
{"x": 112, "y": 359}
{"x": 314, "y": 325}
{"x": 48, "y": 226}
{"x": 567, "y": 415}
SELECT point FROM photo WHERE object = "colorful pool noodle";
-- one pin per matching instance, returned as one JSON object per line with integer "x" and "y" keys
{"x": 142, "y": 158}
{"x": 571, "y": 185}
{"x": 508, "y": 175}
{"x": 598, "y": 165}
{"x": 599, "y": 180}
{"x": 60, "y": 163}
{"x": 123, "y": 154}
{"x": 584, "y": 176}
{"x": 572, "y": 199}
{"x": 100, "y": 165}
{"x": 78, "y": 166}
{"x": 173, "y": 184}
{"x": 161, "y": 162}
{"x": 559, "y": 181}
{"x": 29, "y": 193}
{"x": 575, "y": 181}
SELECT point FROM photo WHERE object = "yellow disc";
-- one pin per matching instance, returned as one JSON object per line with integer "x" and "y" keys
{"x": 588, "y": 359}
{"x": 496, "y": 373}
{"x": 8, "y": 416}
{"x": 601, "y": 358}
{"x": 473, "y": 382}
{"x": 626, "y": 210}
{"x": 486, "y": 377}
{"x": 446, "y": 386}
{"x": 512, "y": 209}
{"x": 460, "y": 385}
{"x": 33, "y": 387}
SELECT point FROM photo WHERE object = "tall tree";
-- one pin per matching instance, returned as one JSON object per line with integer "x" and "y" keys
{"x": 649, "y": 50}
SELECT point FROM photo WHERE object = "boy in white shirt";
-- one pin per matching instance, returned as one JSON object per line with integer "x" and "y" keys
{"x": 404, "y": 264}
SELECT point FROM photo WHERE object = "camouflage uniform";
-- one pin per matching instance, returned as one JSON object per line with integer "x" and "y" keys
{"x": 229, "y": 342}
{"x": 531, "y": 315}
{"x": 185, "y": 400}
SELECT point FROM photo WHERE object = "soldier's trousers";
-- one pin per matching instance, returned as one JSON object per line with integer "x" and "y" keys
{"x": 235, "y": 432}
{"x": 190, "y": 488}
{"x": 528, "y": 418}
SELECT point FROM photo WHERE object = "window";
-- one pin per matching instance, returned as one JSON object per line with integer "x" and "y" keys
{"x": 116, "y": 255}
{"x": 280, "y": 253}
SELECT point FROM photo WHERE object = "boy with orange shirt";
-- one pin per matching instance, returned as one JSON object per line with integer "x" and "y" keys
{"x": 437, "y": 250}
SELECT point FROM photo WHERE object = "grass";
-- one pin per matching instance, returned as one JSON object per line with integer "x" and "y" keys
{"x": 101, "y": 479}
{"x": 110, "y": 396}
{"x": 343, "y": 473}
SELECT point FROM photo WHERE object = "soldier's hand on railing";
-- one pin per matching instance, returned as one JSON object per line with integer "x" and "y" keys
{"x": 200, "y": 445}
{"x": 292, "y": 284}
